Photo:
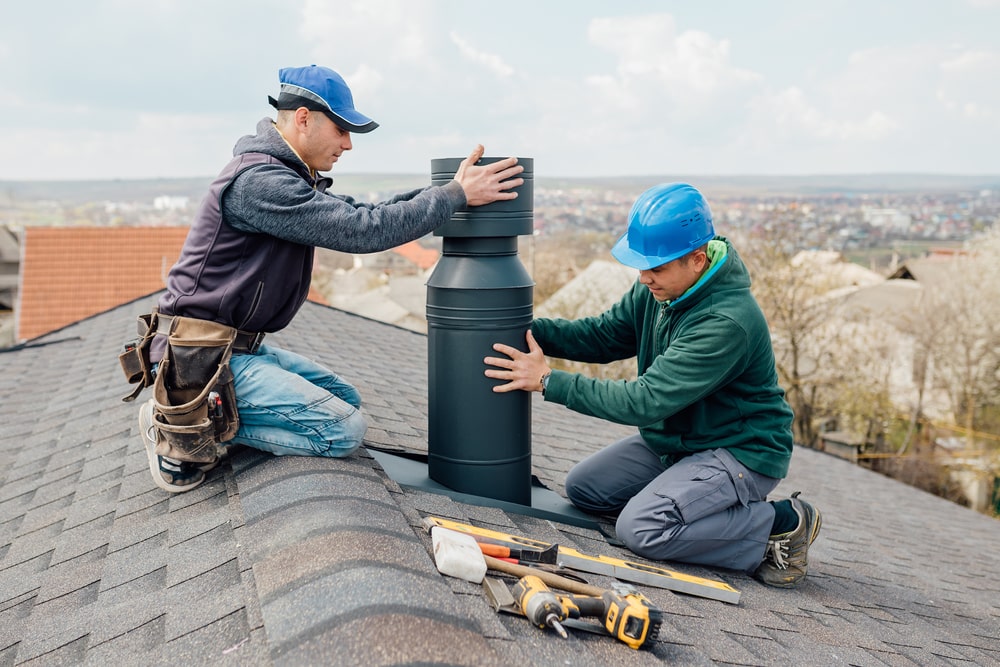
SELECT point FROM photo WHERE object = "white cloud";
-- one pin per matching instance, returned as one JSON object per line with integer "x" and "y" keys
{"x": 669, "y": 101}
{"x": 916, "y": 83}
{"x": 788, "y": 115}
{"x": 586, "y": 88}
{"x": 155, "y": 145}
{"x": 374, "y": 32}
{"x": 490, "y": 61}
{"x": 389, "y": 51}
{"x": 967, "y": 85}
{"x": 364, "y": 82}
{"x": 915, "y": 107}
{"x": 650, "y": 53}
{"x": 972, "y": 61}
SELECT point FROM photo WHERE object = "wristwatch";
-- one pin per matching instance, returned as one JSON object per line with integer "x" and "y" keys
{"x": 545, "y": 382}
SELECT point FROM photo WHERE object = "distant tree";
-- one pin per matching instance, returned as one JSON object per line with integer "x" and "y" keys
{"x": 6, "y": 330}
{"x": 960, "y": 338}
{"x": 838, "y": 364}
{"x": 789, "y": 294}
{"x": 599, "y": 286}
{"x": 832, "y": 368}
{"x": 555, "y": 259}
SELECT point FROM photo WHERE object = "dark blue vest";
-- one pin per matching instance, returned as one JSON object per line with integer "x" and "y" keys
{"x": 253, "y": 282}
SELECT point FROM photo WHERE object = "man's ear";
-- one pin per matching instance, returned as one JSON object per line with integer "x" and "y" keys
{"x": 302, "y": 118}
{"x": 702, "y": 258}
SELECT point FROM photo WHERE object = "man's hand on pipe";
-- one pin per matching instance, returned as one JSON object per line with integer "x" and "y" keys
{"x": 521, "y": 370}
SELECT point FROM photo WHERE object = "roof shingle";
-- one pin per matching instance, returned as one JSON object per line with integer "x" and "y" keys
{"x": 291, "y": 561}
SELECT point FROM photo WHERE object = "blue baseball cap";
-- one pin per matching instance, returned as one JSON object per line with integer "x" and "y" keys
{"x": 320, "y": 89}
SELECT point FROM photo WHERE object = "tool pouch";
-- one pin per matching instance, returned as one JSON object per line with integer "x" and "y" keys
{"x": 194, "y": 405}
{"x": 134, "y": 359}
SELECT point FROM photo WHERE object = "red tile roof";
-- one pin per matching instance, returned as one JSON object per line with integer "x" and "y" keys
{"x": 419, "y": 255}
{"x": 71, "y": 273}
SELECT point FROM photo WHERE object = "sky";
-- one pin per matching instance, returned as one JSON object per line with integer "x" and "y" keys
{"x": 135, "y": 89}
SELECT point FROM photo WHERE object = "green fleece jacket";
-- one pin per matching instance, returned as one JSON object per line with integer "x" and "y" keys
{"x": 706, "y": 373}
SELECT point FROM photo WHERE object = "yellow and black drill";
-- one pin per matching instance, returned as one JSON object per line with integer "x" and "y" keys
{"x": 628, "y": 617}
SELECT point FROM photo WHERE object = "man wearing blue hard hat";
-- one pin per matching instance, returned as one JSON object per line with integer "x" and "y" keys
{"x": 714, "y": 429}
{"x": 244, "y": 272}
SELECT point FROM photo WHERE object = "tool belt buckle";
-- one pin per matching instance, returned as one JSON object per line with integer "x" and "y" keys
{"x": 255, "y": 342}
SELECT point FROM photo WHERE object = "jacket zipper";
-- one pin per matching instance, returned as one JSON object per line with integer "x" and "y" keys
{"x": 659, "y": 344}
{"x": 253, "y": 305}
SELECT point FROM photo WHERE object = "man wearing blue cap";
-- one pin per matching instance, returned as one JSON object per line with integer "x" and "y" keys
{"x": 714, "y": 427}
{"x": 245, "y": 271}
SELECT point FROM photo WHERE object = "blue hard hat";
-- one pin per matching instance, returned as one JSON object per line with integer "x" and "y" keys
{"x": 666, "y": 222}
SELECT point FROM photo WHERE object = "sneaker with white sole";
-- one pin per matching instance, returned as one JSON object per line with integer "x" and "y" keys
{"x": 786, "y": 556}
{"x": 168, "y": 474}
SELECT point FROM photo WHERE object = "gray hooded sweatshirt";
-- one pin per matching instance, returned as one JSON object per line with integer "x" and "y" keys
{"x": 247, "y": 261}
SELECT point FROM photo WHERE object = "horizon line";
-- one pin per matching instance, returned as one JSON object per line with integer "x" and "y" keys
{"x": 380, "y": 174}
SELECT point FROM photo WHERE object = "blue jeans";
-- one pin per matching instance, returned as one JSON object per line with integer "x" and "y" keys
{"x": 708, "y": 508}
{"x": 290, "y": 405}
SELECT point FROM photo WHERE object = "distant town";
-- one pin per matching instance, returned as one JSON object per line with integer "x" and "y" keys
{"x": 853, "y": 254}
{"x": 866, "y": 218}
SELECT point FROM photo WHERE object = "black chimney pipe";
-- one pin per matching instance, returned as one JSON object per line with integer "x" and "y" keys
{"x": 479, "y": 442}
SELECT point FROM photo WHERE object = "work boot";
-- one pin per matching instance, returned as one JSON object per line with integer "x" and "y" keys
{"x": 785, "y": 559}
{"x": 168, "y": 474}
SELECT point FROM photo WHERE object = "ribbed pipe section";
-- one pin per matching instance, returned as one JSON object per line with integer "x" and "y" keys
{"x": 479, "y": 442}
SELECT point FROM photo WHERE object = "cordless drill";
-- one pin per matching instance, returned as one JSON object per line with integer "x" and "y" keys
{"x": 627, "y": 617}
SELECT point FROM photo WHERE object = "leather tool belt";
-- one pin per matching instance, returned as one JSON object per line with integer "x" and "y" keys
{"x": 245, "y": 341}
{"x": 194, "y": 404}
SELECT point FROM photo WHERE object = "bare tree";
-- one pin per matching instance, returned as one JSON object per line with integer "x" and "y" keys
{"x": 836, "y": 359}
{"x": 808, "y": 357}
{"x": 596, "y": 283}
{"x": 555, "y": 259}
{"x": 962, "y": 313}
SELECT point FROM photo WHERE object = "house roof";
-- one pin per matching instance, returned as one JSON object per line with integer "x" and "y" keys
{"x": 830, "y": 269}
{"x": 934, "y": 270}
{"x": 9, "y": 246}
{"x": 595, "y": 289}
{"x": 423, "y": 258}
{"x": 69, "y": 273}
{"x": 894, "y": 300}
{"x": 10, "y": 259}
{"x": 293, "y": 561}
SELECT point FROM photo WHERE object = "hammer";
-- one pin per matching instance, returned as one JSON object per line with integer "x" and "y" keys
{"x": 459, "y": 555}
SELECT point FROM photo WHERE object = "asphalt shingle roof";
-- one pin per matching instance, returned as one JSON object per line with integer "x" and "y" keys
{"x": 297, "y": 561}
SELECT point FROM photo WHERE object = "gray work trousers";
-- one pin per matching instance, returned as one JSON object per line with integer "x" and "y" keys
{"x": 708, "y": 508}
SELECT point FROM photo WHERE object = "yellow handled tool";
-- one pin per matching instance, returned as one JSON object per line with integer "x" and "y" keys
{"x": 627, "y": 617}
